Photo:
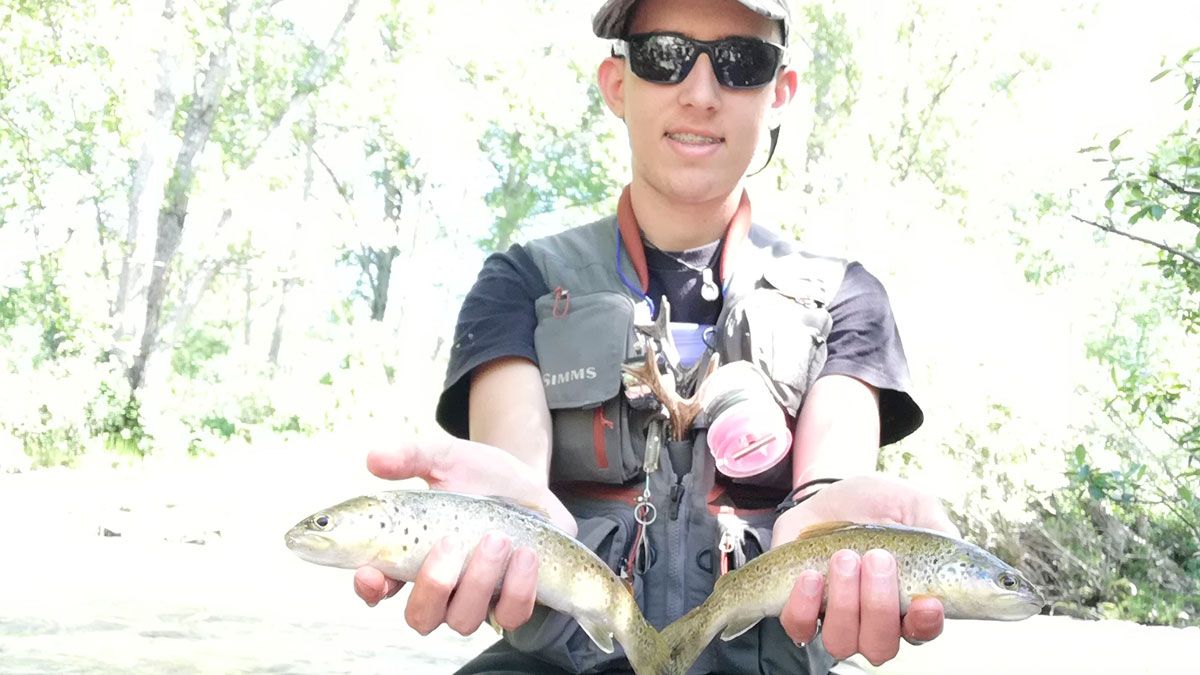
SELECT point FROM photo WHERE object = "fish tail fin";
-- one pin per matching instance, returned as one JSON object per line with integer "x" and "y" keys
{"x": 688, "y": 637}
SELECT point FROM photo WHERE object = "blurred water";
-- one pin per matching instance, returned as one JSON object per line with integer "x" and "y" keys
{"x": 161, "y": 608}
{"x": 147, "y": 601}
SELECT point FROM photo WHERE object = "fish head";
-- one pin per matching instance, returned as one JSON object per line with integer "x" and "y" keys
{"x": 974, "y": 584}
{"x": 340, "y": 536}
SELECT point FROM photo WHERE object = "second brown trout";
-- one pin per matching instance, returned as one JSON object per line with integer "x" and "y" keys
{"x": 970, "y": 582}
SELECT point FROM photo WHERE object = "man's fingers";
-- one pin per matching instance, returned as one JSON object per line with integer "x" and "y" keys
{"x": 435, "y": 582}
{"x": 839, "y": 631}
{"x": 519, "y": 592}
{"x": 373, "y": 586}
{"x": 924, "y": 620}
{"x": 414, "y": 459}
{"x": 799, "y": 616}
{"x": 879, "y": 602}
{"x": 469, "y": 605}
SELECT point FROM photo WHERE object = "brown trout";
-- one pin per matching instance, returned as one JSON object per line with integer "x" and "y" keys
{"x": 970, "y": 582}
{"x": 394, "y": 531}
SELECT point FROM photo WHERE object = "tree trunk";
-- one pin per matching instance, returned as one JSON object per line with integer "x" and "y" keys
{"x": 381, "y": 260}
{"x": 142, "y": 200}
{"x": 289, "y": 273}
{"x": 277, "y": 334}
{"x": 248, "y": 309}
{"x": 194, "y": 291}
{"x": 171, "y": 218}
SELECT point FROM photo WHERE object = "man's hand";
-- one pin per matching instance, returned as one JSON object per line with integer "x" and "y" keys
{"x": 438, "y": 594}
{"x": 863, "y": 611}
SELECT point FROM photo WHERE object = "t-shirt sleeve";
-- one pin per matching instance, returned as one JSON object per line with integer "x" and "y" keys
{"x": 497, "y": 320}
{"x": 865, "y": 344}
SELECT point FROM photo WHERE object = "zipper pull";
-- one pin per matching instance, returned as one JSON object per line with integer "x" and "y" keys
{"x": 676, "y": 495}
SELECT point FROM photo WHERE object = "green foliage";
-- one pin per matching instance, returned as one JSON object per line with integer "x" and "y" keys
{"x": 1098, "y": 562}
{"x": 1162, "y": 189}
{"x": 197, "y": 348}
{"x": 1132, "y": 503}
{"x": 833, "y": 74}
{"x": 543, "y": 167}
{"x": 41, "y": 304}
{"x": 274, "y": 63}
{"x": 118, "y": 420}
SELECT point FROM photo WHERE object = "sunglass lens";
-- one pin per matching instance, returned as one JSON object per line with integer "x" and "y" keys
{"x": 661, "y": 58}
{"x": 746, "y": 63}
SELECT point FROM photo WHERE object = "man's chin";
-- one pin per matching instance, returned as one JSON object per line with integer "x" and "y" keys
{"x": 691, "y": 186}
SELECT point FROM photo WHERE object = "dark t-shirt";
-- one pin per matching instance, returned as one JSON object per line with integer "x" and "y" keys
{"x": 497, "y": 320}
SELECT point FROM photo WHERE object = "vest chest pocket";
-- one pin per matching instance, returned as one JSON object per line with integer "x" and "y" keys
{"x": 780, "y": 326}
{"x": 581, "y": 343}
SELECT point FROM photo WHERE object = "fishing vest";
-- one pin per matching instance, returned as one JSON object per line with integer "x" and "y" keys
{"x": 775, "y": 315}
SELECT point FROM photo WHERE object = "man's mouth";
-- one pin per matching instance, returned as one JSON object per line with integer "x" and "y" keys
{"x": 694, "y": 139}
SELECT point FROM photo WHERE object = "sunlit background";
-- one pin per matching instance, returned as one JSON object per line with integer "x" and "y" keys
{"x": 361, "y": 158}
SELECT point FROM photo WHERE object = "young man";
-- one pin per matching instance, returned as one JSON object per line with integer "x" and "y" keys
{"x": 534, "y": 378}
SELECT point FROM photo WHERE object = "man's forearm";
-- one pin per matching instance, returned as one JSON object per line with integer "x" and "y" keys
{"x": 508, "y": 410}
{"x": 837, "y": 433}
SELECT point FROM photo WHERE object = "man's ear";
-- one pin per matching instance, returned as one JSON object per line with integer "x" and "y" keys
{"x": 611, "y": 79}
{"x": 785, "y": 90}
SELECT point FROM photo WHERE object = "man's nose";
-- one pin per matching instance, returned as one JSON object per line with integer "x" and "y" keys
{"x": 700, "y": 88}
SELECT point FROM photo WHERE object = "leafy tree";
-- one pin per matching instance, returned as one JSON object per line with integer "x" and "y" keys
{"x": 1153, "y": 411}
{"x": 541, "y": 166}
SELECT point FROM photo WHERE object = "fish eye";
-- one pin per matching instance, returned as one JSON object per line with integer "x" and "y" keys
{"x": 321, "y": 521}
{"x": 1008, "y": 580}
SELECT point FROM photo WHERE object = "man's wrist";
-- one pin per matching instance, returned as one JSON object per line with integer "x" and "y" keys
{"x": 804, "y": 491}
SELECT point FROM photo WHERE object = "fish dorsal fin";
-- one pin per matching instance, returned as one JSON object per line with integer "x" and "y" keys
{"x": 738, "y": 627}
{"x": 821, "y": 529}
{"x": 601, "y": 635}
{"x": 528, "y": 507}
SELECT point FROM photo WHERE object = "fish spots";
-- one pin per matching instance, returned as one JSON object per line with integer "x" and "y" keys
{"x": 382, "y": 525}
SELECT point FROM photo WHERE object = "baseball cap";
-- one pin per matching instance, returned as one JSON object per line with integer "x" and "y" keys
{"x": 613, "y": 17}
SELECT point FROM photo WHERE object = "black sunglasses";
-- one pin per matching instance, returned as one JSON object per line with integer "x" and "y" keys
{"x": 667, "y": 58}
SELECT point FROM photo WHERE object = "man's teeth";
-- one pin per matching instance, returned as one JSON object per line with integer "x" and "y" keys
{"x": 693, "y": 138}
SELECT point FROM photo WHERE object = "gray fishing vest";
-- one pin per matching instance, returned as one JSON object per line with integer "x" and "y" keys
{"x": 585, "y": 332}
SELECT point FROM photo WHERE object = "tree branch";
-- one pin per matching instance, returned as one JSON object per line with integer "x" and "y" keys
{"x": 337, "y": 184}
{"x": 1159, "y": 245}
{"x": 310, "y": 79}
{"x": 1174, "y": 186}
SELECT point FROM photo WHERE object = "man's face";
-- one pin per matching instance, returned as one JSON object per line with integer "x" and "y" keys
{"x": 693, "y": 141}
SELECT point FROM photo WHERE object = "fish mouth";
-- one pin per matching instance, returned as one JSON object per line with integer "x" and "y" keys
{"x": 305, "y": 542}
{"x": 1019, "y": 608}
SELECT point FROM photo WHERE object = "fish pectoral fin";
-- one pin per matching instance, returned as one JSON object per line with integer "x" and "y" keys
{"x": 738, "y": 627}
{"x": 601, "y": 635}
